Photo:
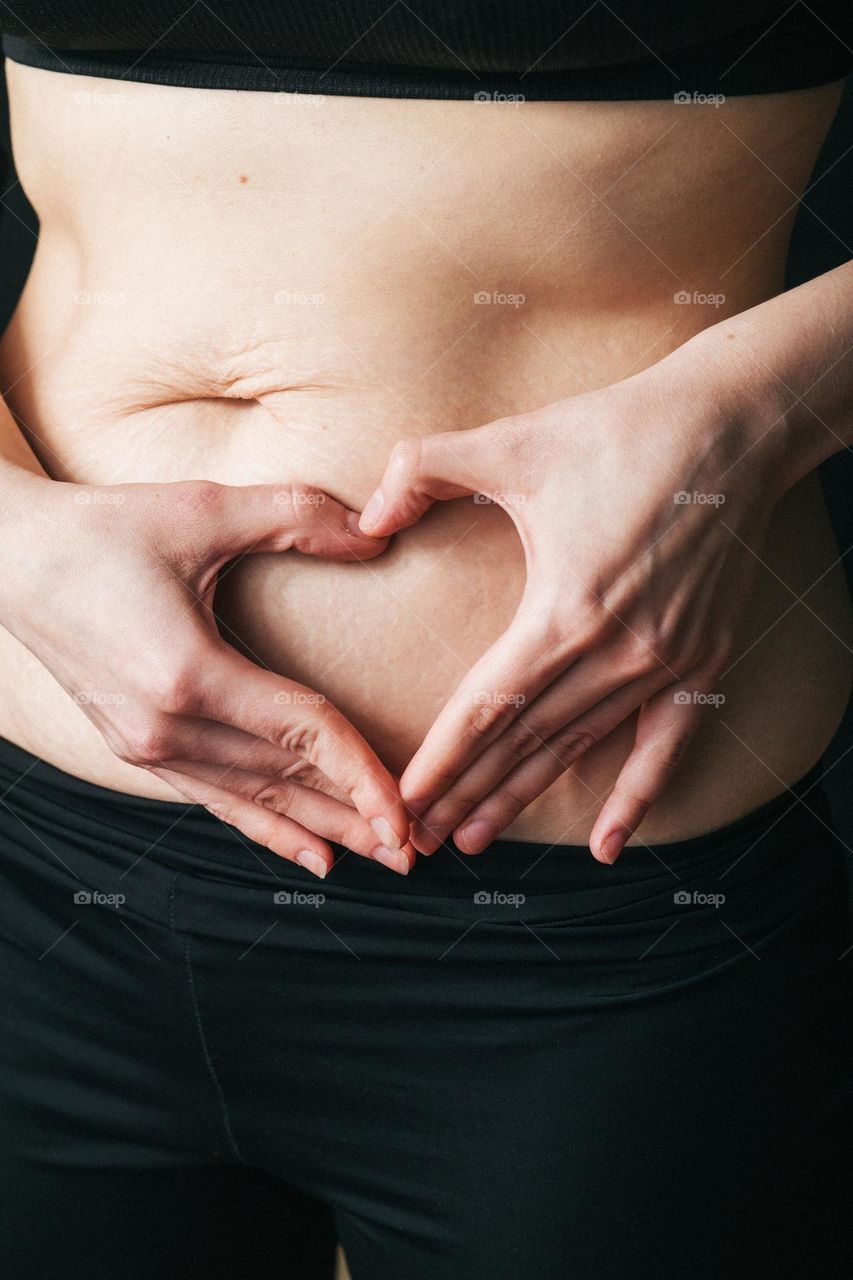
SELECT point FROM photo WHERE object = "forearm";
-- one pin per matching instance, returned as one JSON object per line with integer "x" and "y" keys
{"x": 789, "y": 361}
{"x": 15, "y": 453}
{"x": 19, "y": 468}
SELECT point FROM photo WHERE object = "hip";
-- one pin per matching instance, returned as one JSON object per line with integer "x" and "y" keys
{"x": 387, "y": 641}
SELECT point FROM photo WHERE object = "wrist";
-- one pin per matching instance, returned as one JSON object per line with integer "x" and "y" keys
{"x": 20, "y": 488}
{"x": 731, "y": 394}
{"x": 774, "y": 437}
{"x": 32, "y": 531}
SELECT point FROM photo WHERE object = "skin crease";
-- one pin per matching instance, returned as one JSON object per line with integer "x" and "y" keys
{"x": 249, "y": 289}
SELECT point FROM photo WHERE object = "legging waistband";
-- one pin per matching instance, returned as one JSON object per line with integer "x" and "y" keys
{"x": 186, "y": 837}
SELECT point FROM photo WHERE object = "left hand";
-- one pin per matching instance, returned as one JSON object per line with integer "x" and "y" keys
{"x": 632, "y": 595}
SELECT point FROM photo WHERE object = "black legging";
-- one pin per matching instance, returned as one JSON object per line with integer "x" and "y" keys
{"x": 526, "y": 1066}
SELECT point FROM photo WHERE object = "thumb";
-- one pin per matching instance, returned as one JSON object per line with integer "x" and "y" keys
{"x": 256, "y": 518}
{"x": 421, "y": 472}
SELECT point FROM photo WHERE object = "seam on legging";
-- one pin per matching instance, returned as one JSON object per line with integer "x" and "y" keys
{"x": 220, "y": 1092}
{"x": 226, "y": 1121}
{"x": 173, "y": 885}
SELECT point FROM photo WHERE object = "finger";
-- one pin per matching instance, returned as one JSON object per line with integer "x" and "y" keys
{"x": 227, "y": 748}
{"x": 233, "y": 520}
{"x": 539, "y": 771}
{"x": 665, "y": 727}
{"x": 591, "y": 682}
{"x": 190, "y": 738}
{"x": 488, "y": 699}
{"x": 420, "y": 472}
{"x": 327, "y": 818}
{"x": 234, "y": 691}
{"x": 279, "y": 834}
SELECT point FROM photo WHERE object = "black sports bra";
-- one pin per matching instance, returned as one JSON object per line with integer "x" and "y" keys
{"x": 526, "y": 49}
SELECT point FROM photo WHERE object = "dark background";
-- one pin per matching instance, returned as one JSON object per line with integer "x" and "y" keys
{"x": 822, "y": 239}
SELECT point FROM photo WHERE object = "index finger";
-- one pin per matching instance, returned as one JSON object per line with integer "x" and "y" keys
{"x": 237, "y": 692}
{"x": 517, "y": 667}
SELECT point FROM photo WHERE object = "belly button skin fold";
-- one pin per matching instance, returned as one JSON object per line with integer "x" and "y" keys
{"x": 468, "y": 1066}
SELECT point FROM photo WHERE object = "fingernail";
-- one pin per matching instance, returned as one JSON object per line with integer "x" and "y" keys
{"x": 426, "y": 839}
{"x": 312, "y": 862}
{"x": 386, "y": 832}
{"x": 394, "y": 859}
{"x": 373, "y": 509}
{"x": 477, "y": 834}
{"x": 353, "y": 523}
{"x": 611, "y": 846}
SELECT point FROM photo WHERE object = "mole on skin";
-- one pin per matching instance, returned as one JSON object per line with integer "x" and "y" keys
{"x": 243, "y": 177}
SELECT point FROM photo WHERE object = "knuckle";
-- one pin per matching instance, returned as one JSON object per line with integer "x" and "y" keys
{"x": 172, "y": 689}
{"x": 406, "y": 458}
{"x": 300, "y": 740}
{"x": 485, "y": 716}
{"x": 646, "y": 652}
{"x": 558, "y": 627}
{"x": 514, "y": 796}
{"x": 511, "y": 438}
{"x": 198, "y": 497}
{"x": 147, "y": 744}
{"x": 303, "y": 776}
{"x": 195, "y": 512}
{"x": 303, "y": 499}
{"x": 655, "y": 646}
{"x": 363, "y": 781}
{"x": 571, "y": 743}
{"x": 222, "y": 811}
{"x": 576, "y": 619}
{"x": 265, "y": 831}
{"x": 637, "y": 805}
{"x": 519, "y": 739}
{"x": 692, "y": 651}
{"x": 272, "y": 796}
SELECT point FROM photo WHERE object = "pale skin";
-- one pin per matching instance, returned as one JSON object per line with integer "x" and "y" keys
{"x": 191, "y": 709}
{"x": 214, "y": 431}
{"x": 629, "y": 605}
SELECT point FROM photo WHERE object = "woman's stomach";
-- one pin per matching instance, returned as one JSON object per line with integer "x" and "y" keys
{"x": 253, "y": 288}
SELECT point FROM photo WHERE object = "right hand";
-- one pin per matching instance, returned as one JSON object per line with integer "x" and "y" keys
{"x": 111, "y": 589}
